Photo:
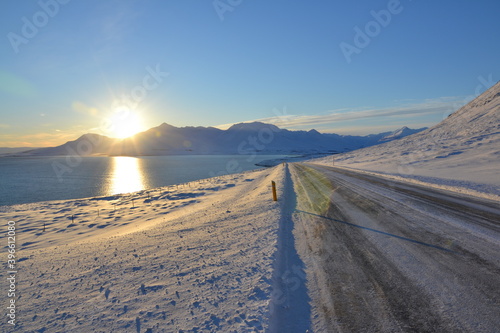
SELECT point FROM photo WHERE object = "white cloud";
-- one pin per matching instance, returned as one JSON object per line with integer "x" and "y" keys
{"x": 85, "y": 109}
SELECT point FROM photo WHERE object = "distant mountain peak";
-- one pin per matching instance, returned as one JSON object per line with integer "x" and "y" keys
{"x": 165, "y": 126}
{"x": 253, "y": 126}
{"x": 313, "y": 131}
{"x": 401, "y": 133}
{"x": 91, "y": 136}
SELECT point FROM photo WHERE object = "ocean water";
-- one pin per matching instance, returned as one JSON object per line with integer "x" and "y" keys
{"x": 34, "y": 179}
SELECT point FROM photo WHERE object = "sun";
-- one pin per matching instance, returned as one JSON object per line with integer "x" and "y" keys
{"x": 125, "y": 122}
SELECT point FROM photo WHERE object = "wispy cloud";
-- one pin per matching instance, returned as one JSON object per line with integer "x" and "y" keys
{"x": 44, "y": 138}
{"x": 341, "y": 120}
{"x": 85, "y": 109}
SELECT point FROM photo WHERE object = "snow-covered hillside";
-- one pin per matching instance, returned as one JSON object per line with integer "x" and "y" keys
{"x": 463, "y": 150}
{"x": 196, "y": 257}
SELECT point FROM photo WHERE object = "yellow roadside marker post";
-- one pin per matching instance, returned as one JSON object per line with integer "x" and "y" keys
{"x": 275, "y": 197}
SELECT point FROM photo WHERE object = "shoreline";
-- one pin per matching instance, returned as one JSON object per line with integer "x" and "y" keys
{"x": 30, "y": 180}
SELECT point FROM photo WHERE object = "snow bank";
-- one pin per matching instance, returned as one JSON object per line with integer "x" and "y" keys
{"x": 193, "y": 257}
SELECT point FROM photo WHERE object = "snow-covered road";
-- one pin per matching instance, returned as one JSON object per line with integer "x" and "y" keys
{"x": 386, "y": 256}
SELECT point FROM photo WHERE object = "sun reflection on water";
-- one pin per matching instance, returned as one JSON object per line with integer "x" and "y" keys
{"x": 127, "y": 175}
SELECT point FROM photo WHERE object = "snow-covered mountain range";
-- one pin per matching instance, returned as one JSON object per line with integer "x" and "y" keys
{"x": 242, "y": 138}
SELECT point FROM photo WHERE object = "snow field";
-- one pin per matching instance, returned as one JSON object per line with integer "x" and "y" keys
{"x": 195, "y": 258}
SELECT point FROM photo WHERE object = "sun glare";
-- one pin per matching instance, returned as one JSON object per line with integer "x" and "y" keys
{"x": 128, "y": 175}
{"x": 125, "y": 123}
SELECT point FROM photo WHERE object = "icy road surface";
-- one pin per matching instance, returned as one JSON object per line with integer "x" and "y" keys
{"x": 385, "y": 256}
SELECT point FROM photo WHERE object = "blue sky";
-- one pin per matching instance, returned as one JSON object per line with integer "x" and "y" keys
{"x": 69, "y": 67}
